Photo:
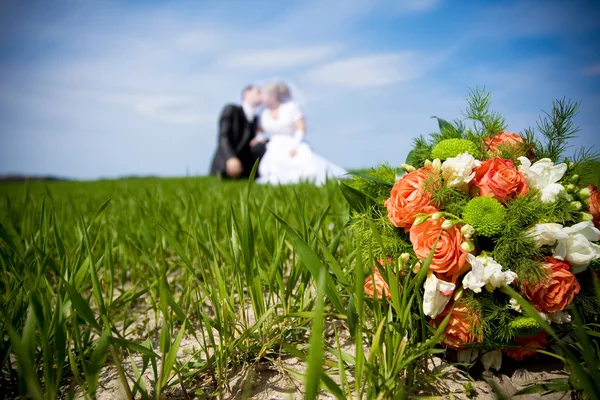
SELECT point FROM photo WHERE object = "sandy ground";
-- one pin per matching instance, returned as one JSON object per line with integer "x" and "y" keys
{"x": 271, "y": 382}
{"x": 276, "y": 380}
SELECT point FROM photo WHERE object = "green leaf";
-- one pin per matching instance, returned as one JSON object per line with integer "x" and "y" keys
{"x": 169, "y": 360}
{"x": 331, "y": 386}
{"x": 60, "y": 340}
{"x": 351, "y": 316}
{"x": 59, "y": 243}
{"x": 583, "y": 376}
{"x": 81, "y": 306}
{"x": 410, "y": 158}
{"x": 371, "y": 178}
{"x": 359, "y": 295}
{"x": 25, "y": 359}
{"x": 313, "y": 264}
{"x": 100, "y": 210}
{"x": 447, "y": 130}
{"x": 133, "y": 346}
{"x": 316, "y": 349}
{"x": 97, "y": 361}
{"x": 7, "y": 239}
{"x": 357, "y": 199}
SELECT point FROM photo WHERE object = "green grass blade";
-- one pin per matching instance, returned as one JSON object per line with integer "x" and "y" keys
{"x": 169, "y": 360}
{"x": 133, "y": 346}
{"x": 313, "y": 264}
{"x": 316, "y": 349}
{"x": 97, "y": 361}
{"x": 81, "y": 306}
{"x": 99, "y": 211}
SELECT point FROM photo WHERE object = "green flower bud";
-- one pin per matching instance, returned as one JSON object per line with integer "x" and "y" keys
{"x": 417, "y": 267}
{"x": 420, "y": 220}
{"x": 407, "y": 168}
{"x": 574, "y": 178}
{"x": 570, "y": 187}
{"x": 404, "y": 257}
{"x": 585, "y": 193}
{"x": 467, "y": 230}
{"x": 576, "y": 205}
{"x": 447, "y": 224}
{"x": 586, "y": 216}
{"x": 437, "y": 215}
{"x": 467, "y": 246}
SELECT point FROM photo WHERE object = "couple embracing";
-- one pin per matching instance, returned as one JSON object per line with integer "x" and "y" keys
{"x": 276, "y": 138}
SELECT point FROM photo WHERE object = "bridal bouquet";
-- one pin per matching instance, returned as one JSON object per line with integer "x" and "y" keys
{"x": 502, "y": 210}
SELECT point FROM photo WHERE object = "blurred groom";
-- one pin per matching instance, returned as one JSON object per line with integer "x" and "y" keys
{"x": 236, "y": 150}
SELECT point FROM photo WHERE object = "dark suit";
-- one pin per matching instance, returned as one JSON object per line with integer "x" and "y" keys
{"x": 235, "y": 134}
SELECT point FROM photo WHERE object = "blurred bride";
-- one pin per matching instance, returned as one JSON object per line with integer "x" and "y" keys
{"x": 288, "y": 158}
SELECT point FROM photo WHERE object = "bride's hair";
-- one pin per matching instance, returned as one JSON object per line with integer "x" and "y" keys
{"x": 279, "y": 89}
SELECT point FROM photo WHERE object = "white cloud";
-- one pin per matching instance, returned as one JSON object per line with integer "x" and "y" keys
{"x": 198, "y": 41}
{"x": 288, "y": 57}
{"x": 368, "y": 71}
{"x": 170, "y": 109}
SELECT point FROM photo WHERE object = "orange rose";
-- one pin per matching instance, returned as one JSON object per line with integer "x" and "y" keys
{"x": 409, "y": 198}
{"x": 537, "y": 341}
{"x": 450, "y": 260}
{"x": 555, "y": 293}
{"x": 594, "y": 202}
{"x": 503, "y": 141}
{"x": 498, "y": 178}
{"x": 377, "y": 285}
{"x": 463, "y": 327}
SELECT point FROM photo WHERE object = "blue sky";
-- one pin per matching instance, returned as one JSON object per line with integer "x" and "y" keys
{"x": 94, "y": 89}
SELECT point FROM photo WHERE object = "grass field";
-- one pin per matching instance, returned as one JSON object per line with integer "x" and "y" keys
{"x": 186, "y": 288}
{"x": 125, "y": 272}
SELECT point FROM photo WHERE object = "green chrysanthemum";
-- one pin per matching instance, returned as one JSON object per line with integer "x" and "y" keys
{"x": 486, "y": 215}
{"x": 452, "y": 147}
{"x": 524, "y": 326}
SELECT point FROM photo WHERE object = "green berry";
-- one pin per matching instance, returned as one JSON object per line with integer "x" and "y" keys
{"x": 486, "y": 215}
{"x": 452, "y": 147}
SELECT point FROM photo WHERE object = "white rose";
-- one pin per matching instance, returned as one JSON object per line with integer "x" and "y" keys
{"x": 485, "y": 271}
{"x": 544, "y": 175}
{"x": 437, "y": 295}
{"x": 458, "y": 171}
{"x": 547, "y": 234}
{"x": 577, "y": 247}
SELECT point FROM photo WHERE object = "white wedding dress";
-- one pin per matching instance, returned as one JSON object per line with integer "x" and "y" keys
{"x": 277, "y": 166}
